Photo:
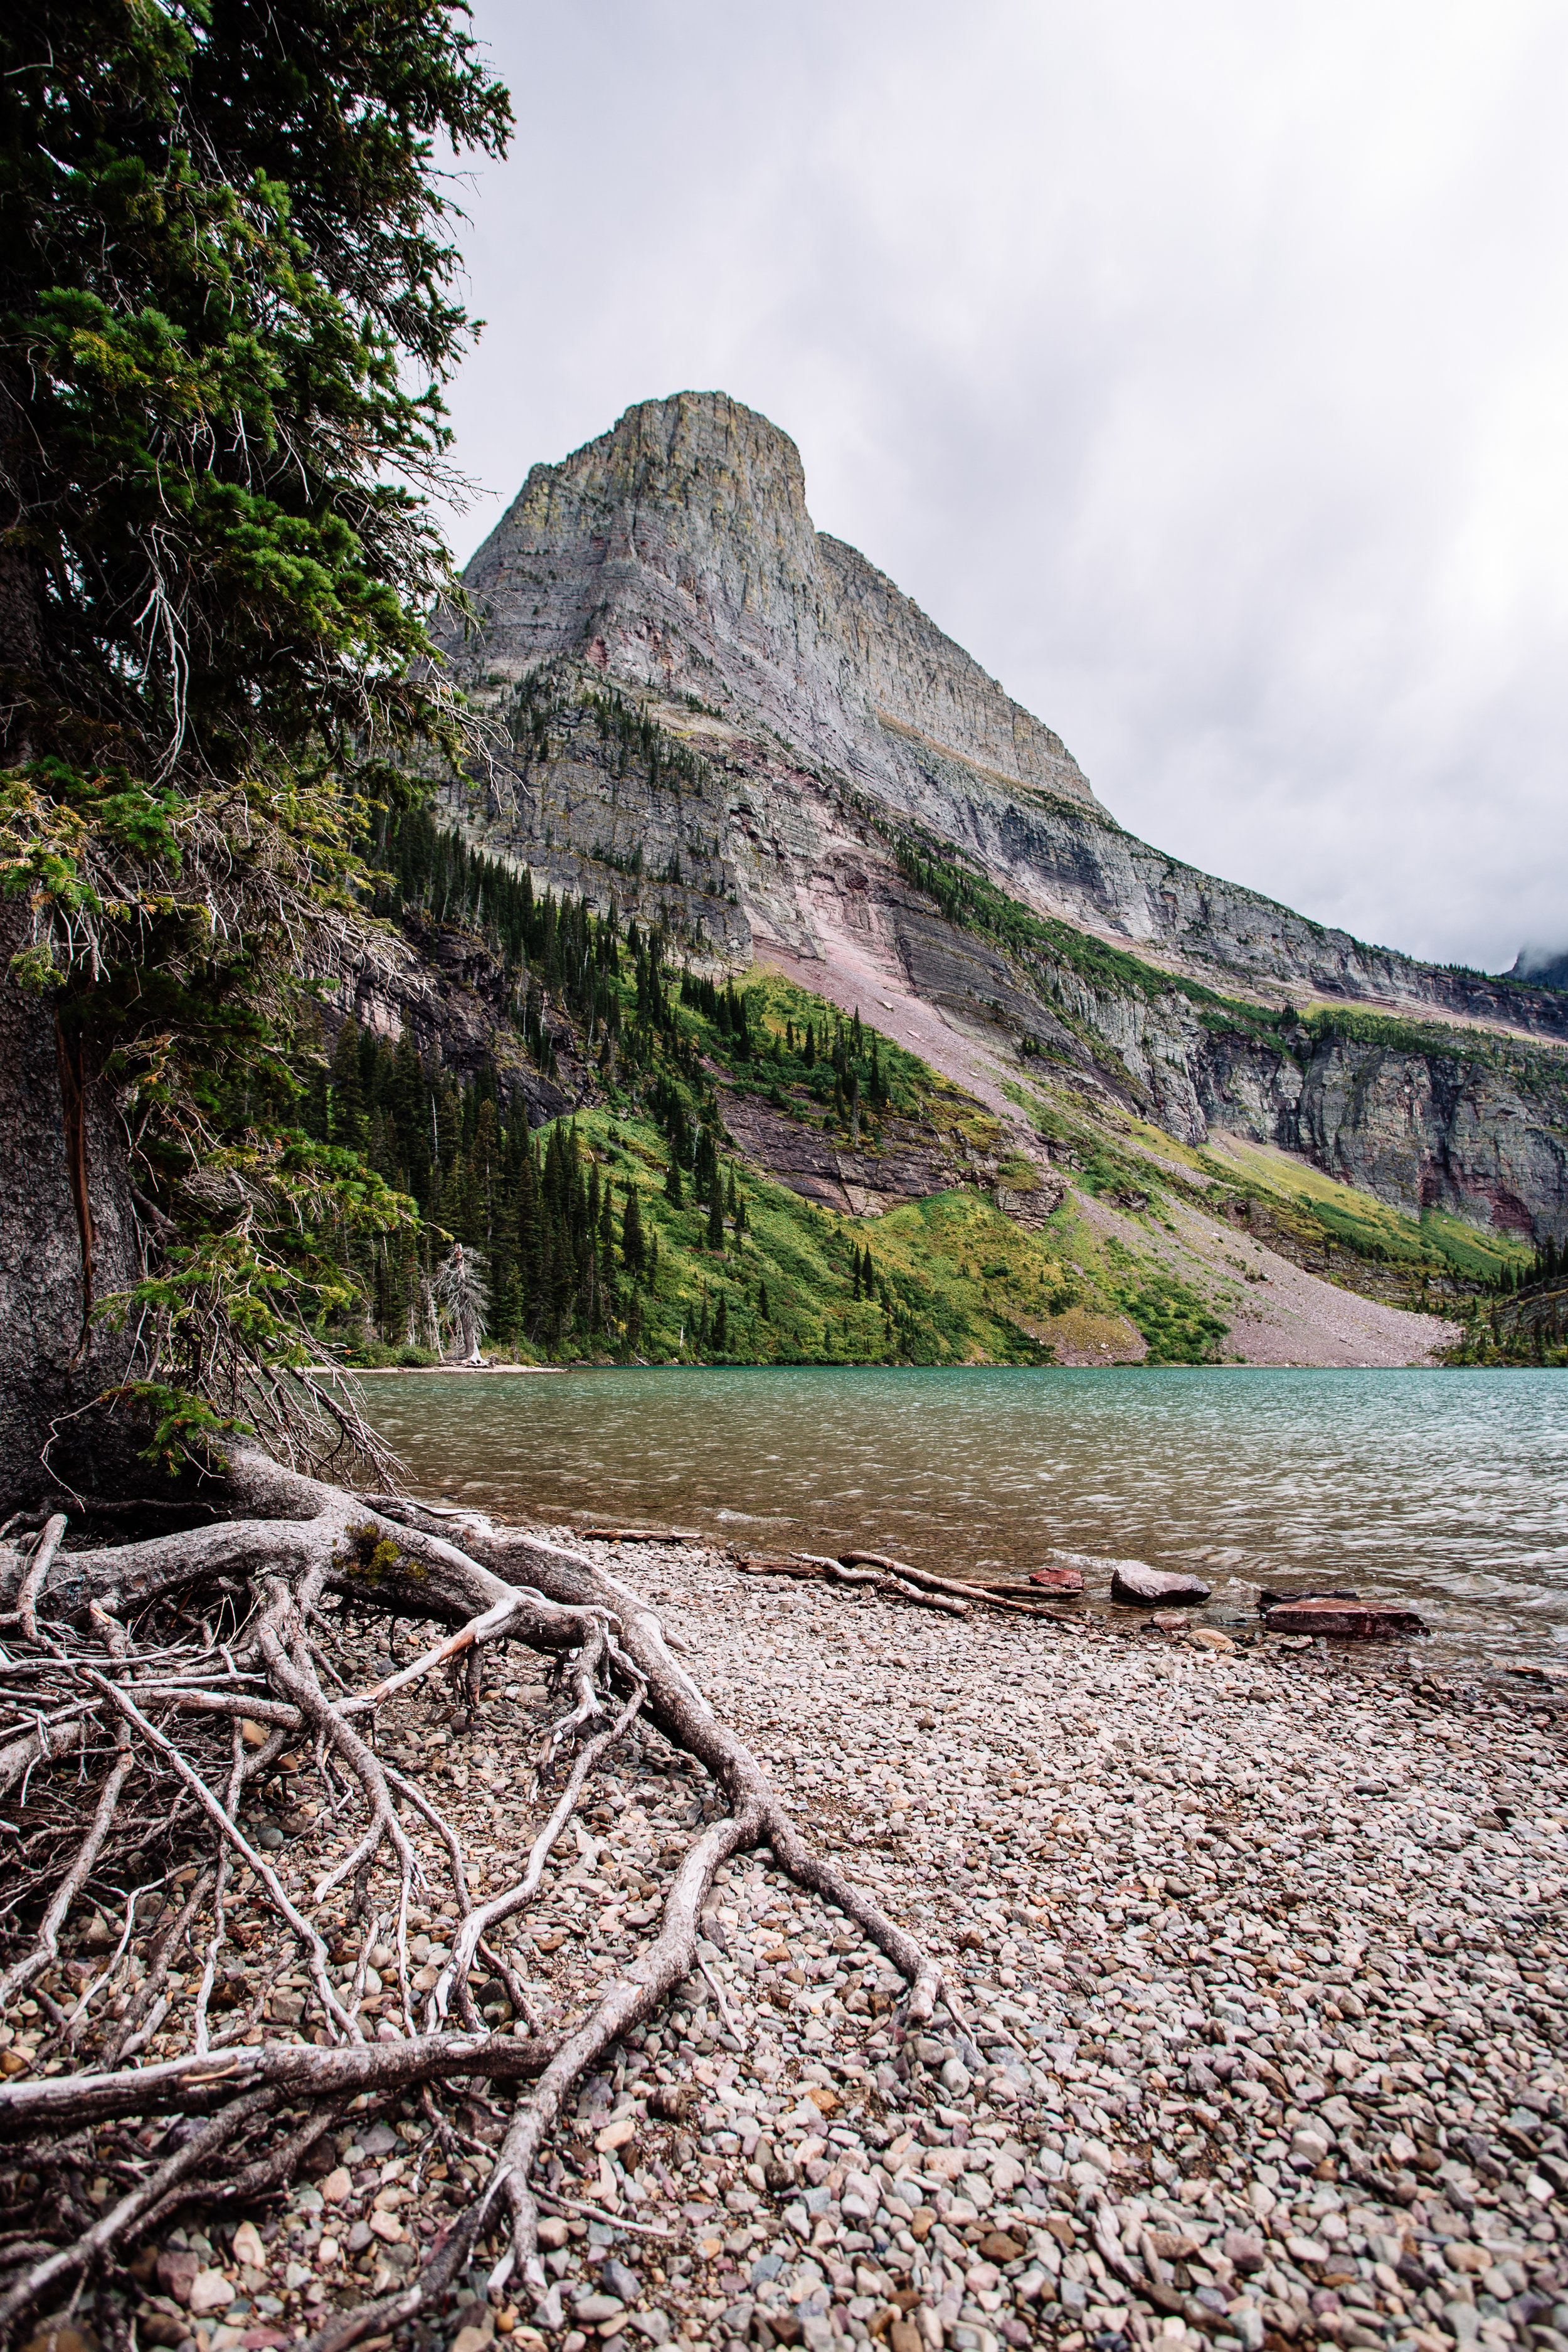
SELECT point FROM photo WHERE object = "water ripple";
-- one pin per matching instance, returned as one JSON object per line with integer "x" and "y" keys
{"x": 1447, "y": 1488}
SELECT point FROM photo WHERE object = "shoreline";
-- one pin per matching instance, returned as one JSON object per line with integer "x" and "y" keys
{"x": 836, "y": 1364}
{"x": 1257, "y": 2032}
{"x": 1239, "y": 1943}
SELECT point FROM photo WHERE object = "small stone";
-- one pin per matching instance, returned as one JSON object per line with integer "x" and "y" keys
{"x": 161, "y": 2327}
{"x": 553, "y": 2233}
{"x": 616, "y": 2135}
{"x": 359, "y": 2236}
{"x": 210, "y": 2291}
{"x": 248, "y": 2248}
{"x": 589, "y": 2309}
{"x": 1148, "y": 1588}
{"x": 338, "y": 2186}
{"x": 1209, "y": 1637}
{"x": 62, "y": 2336}
{"x": 1058, "y": 1579}
{"x": 996, "y": 2246}
{"x": 621, "y": 2280}
{"x": 176, "y": 2273}
{"x": 472, "y": 2339}
{"x": 268, "y": 1837}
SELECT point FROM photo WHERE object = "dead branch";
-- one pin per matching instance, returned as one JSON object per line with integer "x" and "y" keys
{"x": 49, "y": 1543}
{"x": 991, "y": 1596}
{"x": 810, "y": 1565}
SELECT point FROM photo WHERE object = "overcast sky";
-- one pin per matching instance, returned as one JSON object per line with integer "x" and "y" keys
{"x": 1201, "y": 365}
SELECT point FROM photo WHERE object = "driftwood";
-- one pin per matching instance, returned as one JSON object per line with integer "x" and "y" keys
{"x": 807, "y": 1564}
{"x": 992, "y": 1596}
{"x": 640, "y": 1535}
{"x": 153, "y": 1686}
{"x": 883, "y": 1573}
{"x": 880, "y": 1573}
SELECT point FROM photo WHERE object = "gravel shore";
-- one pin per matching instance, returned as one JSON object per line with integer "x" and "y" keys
{"x": 1257, "y": 1954}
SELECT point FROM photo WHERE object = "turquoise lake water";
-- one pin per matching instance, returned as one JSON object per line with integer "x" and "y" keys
{"x": 1446, "y": 1489}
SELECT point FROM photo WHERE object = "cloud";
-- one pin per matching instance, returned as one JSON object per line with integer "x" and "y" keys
{"x": 1200, "y": 370}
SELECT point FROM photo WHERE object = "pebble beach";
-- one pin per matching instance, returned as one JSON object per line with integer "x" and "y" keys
{"x": 1254, "y": 1949}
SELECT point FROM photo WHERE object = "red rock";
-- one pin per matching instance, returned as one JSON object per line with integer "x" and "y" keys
{"x": 1058, "y": 1579}
{"x": 1345, "y": 1621}
{"x": 177, "y": 2272}
{"x": 1268, "y": 1601}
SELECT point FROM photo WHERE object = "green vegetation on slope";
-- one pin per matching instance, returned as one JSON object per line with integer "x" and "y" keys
{"x": 722, "y": 1262}
{"x": 632, "y": 1227}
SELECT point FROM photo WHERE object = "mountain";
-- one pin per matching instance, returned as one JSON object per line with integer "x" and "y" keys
{"x": 737, "y": 728}
{"x": 1541, "y": 969}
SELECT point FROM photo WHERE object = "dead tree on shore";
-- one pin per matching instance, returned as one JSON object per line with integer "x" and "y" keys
{"x": 148, "y": 1685}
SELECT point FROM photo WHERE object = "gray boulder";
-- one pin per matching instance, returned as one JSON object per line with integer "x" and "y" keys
{"x": 1155, "y": 1587}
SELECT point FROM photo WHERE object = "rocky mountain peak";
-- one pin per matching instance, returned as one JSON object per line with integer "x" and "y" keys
{"x": 676, "y": 554}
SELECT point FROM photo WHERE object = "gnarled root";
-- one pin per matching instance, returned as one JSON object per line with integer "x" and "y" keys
{"x": 168, "y": 1682}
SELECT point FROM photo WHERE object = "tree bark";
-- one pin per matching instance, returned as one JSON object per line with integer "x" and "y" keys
{"x": 68, "y": 1234}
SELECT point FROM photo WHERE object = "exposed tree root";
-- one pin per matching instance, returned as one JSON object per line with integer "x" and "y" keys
{"x": 154, "y": 1686}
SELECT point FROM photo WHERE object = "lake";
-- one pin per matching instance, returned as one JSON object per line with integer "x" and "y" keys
{"x": 1448, "y": 1490}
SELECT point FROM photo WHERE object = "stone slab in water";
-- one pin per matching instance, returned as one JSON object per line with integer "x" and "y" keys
{"x": 1268, "y": 1601}
{"x": 1346, "y": 1620}
{"x": 1155, "y": 1587}
{"x": 1058, "y": 1579}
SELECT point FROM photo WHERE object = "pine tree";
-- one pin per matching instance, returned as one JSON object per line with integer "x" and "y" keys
{"x": 349, "y": 1125}
{"x": 762, "y": 1309}
{"x": 674, "y": 1191}
{"x": 721, "y": 1328}
{"x": 607, "y": 1234}
{"x": 716, "y": 1216}
{"x": 632, "y": 1247}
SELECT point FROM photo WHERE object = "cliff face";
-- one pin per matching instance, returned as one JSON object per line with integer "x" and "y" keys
{"x": 676, "y": 552}
{"x": 667, "y": 578}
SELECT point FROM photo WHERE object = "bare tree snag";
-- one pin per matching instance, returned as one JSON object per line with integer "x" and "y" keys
{"x": 156, "y": 1684}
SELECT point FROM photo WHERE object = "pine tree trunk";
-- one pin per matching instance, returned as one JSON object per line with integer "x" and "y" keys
{"x": 63, "y": 1183}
